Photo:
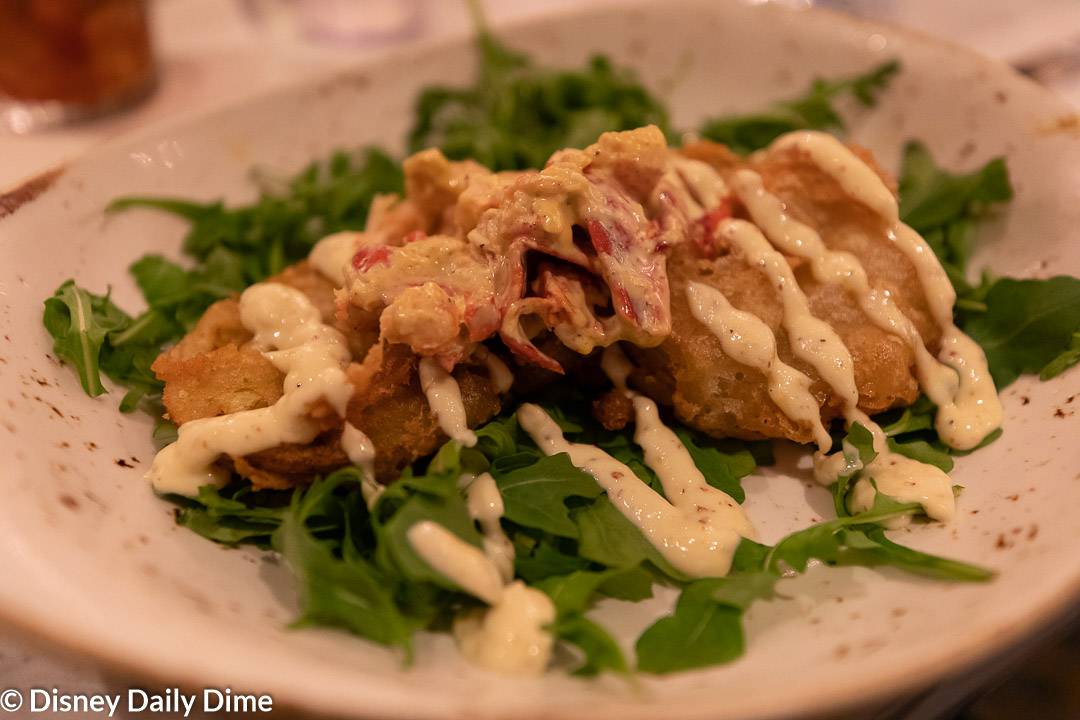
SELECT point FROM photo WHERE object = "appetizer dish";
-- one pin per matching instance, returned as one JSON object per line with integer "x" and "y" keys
{"x": 603, "y": 403}
{"x": 757, "y": 298}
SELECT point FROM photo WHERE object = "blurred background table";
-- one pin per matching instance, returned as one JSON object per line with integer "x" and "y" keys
{"x": 216, "y": 52}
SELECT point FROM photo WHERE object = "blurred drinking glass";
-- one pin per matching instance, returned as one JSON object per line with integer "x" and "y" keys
{"x": 67, "y": 60}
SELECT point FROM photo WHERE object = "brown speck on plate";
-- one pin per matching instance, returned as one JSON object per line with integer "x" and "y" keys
{"x": 1067, "y": 124}
{"x": 28, "y": 191}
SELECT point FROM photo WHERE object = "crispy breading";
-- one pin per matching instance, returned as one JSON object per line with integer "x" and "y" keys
{"x": 224, "y": 380}
{"x": 718, "y": 395}
{"x": 289, "y": 466}
{"x": 613, "y": 409}
{"x": 215, "y": 370}
{"x": 295, "y": 465}
{"x": 690, "y": 371}
{"x": 219, "y": 326}
{"x": 318, "y": 288}
{"x": 390, "y": 407}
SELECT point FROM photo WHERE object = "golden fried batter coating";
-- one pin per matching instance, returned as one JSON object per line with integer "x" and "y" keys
{"x": 294, "y": 465}
{"x": 219, "y": 326}
{"x": 215, "y": 370}
{"x": 613, "y": 409}
{"x": 690, "y": 371}
{"x": 225, "y": 380}
{"x": 718, "y": 395}
{"x": 289, "y": 466}
{"x": 389, "y": 406}
{"x": 318, "y": 288}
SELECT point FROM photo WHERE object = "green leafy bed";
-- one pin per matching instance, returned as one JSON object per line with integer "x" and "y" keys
{"x": 354, "y": 566}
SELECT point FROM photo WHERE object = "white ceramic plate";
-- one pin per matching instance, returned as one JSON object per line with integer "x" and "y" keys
{"x": 91, "y": 559}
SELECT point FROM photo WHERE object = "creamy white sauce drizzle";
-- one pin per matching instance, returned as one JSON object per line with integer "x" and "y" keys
{"x": 976, "y": 410}
{"x": 500, "y": 376}
{"x": 290, "y": 331}
{"x": 486, "y": 508}
{"x": 915, "y": 481}
{"x": 906, "y": 480}
{"x": 968, "y": 406}
{"x": 857, "y": 179}
{"x": 465, "y": 564}
{"x": 617, "y": 367}
{"x": 444, "y": 398}
{"x": 331, "y": 254}
{"x": 697, "y": 527}
{"x": 831, "y": 267}
{"x": 509, "y": 637}
{"x": 696, "y": 185}
{"x": 747, "y": 339}
{"x": 361, "y": 452}
{"x": 811, "y": 339}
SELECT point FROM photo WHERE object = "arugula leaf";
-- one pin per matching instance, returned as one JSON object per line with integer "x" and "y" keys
{"x": 1064, "y": 361}
{"x": 869, "y": 547}
{"x": 600, "y": 649}
{"x": 96, "y": 337}
{"x": 79, "y": 323}
{"x": 613, "y": 541}
{"x": 813, "y": 111}
{"x": 945, "y": 208}
{"x": 1027, "y": 325}
{"x": 931, "y": 198}
{"x": 929, "y": 453}
{"x": 516, "y": 114}
{"x": 834, "y": 542}
{"x": 250, "y": 243}
{"x": 914, "y": 418}
{"x": 233, "y": 515}
{"x": 339, "y": 588}
{"x": 571, "y": 594}
{"x": 631, "y": 584}
{"x": 705, "y": 628}
{"x": 723, "y": 463}
{"x": 434, "y": 497}
{"x": 535, "y": 495}
{"x": 537, "y": 556}
{"x": 701, "y": 632}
